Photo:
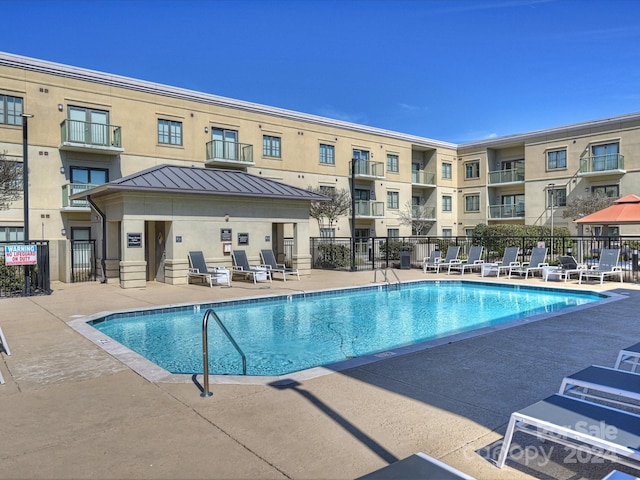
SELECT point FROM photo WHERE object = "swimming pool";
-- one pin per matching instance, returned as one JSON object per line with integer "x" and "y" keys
{"x": 285, "y": 334}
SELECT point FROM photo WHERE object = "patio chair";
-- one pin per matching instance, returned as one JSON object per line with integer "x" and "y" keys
{"x": 604, "y": 385}
{"x": 569, "y": 266}
{"x": 607, "y": 266}
{"x": 535, "y": 264}
{"x": 269, "y": 259}
{"x": 630, "y": 356}
{"x": 579, "y": 424}
{"x": 241, "y": 267}
{"x": 451, "y": 257}
{"x": 473, "y": 262}
{"x": 418, "y": 465}
{"x": 199, "y": 269}
{"x": 509, "y": 260}
{"x": 431, "y": 261}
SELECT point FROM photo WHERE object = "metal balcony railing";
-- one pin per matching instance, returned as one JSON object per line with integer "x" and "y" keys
{"x": 229, "y": 152}
{"x": 368, "y": 208}
{"x": 423, "y": 211}
{"x": 423, "y": 178}
{"x": 506, "y": 211}
{"x": 602, "y": 163}
{"x": 88, "y": 134}
{"x": 71, "y": 188}
{"x": 506, "y": 176}
{"x": 367, "y": 168}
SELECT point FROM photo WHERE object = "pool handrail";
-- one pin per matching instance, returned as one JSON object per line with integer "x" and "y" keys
{"x": 205, "y": 349}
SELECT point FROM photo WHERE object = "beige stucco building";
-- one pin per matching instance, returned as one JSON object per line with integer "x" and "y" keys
{"x": 91, "y": 129}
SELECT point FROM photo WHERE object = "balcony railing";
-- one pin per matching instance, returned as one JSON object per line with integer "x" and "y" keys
{"x": 506, "y": 176}
{"x": 72, "y": 188}
{"x": 367, "y": 168}
{"x": 423, "y": 178}
{"x": 506, "y": 211}
{"x": 423, "y": 212}
{"x": 90, "y": 137}
{"x": 368, "y": 208}
{"x": 220, "y": 152}
{"x": 602, "y": 163}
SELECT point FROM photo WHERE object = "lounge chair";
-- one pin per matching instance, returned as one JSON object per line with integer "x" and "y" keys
{"x": 269, "y": 259}
{"x": 607, "y": 266}
{"x": 604, "y": 385}
{"x": 451, "y": 257}
{"x": 568, "y": 266}
{"x": 199, "y": 269}
{"x": 509, "y": 260}
{"x": 418, "y": 465}
{"x": 473, "y": 262}
{"x": 431, "y": 261}
{"x": 535, "y": 264}
{"x": 241, "y": 267}
{"x": 578, "y": 424}
{"x": 630, "y": 356}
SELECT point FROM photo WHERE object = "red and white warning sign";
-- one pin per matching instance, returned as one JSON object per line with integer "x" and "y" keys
{"x": 20, "y": 255}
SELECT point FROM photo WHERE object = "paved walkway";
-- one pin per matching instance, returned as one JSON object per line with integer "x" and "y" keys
{"x": 70, "y": 410}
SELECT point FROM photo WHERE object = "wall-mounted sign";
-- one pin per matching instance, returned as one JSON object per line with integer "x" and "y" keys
{"x": 225, "y": 235}
{"x": 178, "y": 238}
{"x": 243, "y": 239}
{"x": 20, "y": 255}
{"x": 267, "y": 238}
{"x": 134, "y": 240}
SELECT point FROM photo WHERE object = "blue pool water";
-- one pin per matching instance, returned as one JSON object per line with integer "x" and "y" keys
{"x": 280, "y": 335}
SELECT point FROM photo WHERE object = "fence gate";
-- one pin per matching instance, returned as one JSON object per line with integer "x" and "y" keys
{"x": 83, "y": 266}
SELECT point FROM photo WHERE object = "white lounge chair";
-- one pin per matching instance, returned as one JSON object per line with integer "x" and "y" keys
{"x": 451, "y": 257}
{"x": 578, "y": 424}
{"x": 535, "y": 264}
{"x": 241, "y": 267}
{"x": 269, "y": 259}
{"x": 607, "y": 267}
{"x": 604, "y": 385}
{"x": 417, "y": 466}
{"x": 509, "y": 260}
{"x": 629, "y": 356}
{"x": 473, "y": 262}
{"x": 431, "y": 261}
{"x": 199, "y": 269}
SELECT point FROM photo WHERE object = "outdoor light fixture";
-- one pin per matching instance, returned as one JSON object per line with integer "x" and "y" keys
{"x": 60, "y": 107}
{"x": 206, "y": 129}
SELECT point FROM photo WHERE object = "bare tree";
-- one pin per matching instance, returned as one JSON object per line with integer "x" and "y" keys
{"x": 330, "y": 211}
{"x": 10, "y": 181}
{"x": 581, "y": 206}
{"x": 419, "y": 217}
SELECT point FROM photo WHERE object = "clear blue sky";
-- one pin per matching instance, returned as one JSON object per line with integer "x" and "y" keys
{"x": 457, "y": 70}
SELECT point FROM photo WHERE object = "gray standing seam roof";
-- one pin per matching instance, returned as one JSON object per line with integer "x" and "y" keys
{"x": 200, "y": 180}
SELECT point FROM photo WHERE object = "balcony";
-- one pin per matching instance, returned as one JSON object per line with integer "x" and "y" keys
{"x": 501, "y": 177}
{"x": 368, "y": 169}
{"x": 229, "y": 154}
{"x": 77, "y": 136}
{"x": 75, "y": 205}
{"x": 497, "y": 212}
{"x": 422, "y": 178}
{"x": 602, "y": 165}
{"x": 369, "y": 209}
{"x": 423, "y": 212}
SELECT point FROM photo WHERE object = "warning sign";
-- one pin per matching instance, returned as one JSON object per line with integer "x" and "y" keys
{"x": 20, "y": 254}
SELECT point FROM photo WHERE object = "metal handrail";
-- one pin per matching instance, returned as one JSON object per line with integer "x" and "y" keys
{"x": 384, "y": 273}
{"x": 205, "y": 349}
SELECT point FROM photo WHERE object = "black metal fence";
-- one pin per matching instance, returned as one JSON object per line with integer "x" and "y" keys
{"x": 83, "y": 265}
{"x": 25, "y": 280}
{"x": 383, "y": 252}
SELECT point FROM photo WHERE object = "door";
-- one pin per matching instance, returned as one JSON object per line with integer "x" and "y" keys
{"x": 81, "y": 254}
{"x": 160, "y": 243}
{"x": 225, "y": 143}
{"x": 88, "y": 126}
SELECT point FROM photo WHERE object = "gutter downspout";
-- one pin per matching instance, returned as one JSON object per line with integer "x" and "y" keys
{"x": 104, "y": 239}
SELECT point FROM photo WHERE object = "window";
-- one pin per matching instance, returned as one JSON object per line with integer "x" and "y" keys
{"x": 612, "y": 191}
{"x": 360, "y": 154}
{"x": 327, "y": 190}
{"x": 393, "y": 200}
{"x": 364, "y": 195}
{"x": 89, "y": 176}
{"x": 472, "y": 203}
{"x": 557, "y": 197}
{"x": 446, "y": 170}
{"x": 446, "y": 203}
{"x": 327, "y": 154}
{"x": 472, "y": 170}
{"x": 225, "y": 143}
{"x": 327, "y": 233}
{"x": 513, "y": 205}
{"x": 556, "y": 159}
{"x": 605, "y": 157}
{"x": 169, "y": 132}
{"x": 10, "y": 110}
{"x": 392, "y": 163}
{"x": 469, "y": 232}
{"x": 270, "y": 146}
{"x": 393, "y": 232}
{"x": 11, "y": 234}
{"x": 447, "y": 232}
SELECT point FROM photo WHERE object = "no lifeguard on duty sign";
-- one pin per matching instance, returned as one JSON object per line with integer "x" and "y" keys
{"x": 20, "y": 255}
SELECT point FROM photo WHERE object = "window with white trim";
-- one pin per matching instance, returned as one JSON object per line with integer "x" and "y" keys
{"x": 11, "y": 110}
{"x": 392, "y": 163}
{"x": 393, "y": 200}
{"x": 327, "y": 154}
{"x": 556, "y": 159}
{"x": 472, "y": 203}
{"x": 271, "y": 146}
{"x": 446, "y": 203}
{"x": 169, "y": 132}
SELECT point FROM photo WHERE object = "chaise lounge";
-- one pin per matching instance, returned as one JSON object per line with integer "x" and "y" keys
{"x": 200, "y": 270}
{"x": 241, "y": 267}
{"x": 535, "y": 264}
{"x": 473, "y": 262}
{"x": 607, "y": 267}
{"x": 269, "y": 259}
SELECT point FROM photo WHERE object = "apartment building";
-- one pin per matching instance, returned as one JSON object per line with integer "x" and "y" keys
{"x": 105, "y": 135}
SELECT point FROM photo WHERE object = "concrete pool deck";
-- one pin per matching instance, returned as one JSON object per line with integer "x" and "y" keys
{"x": 71, "y": 410}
